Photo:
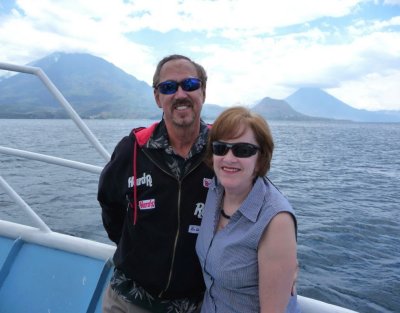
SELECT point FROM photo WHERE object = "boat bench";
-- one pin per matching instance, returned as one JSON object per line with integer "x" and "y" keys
{"x": 35, "y": 278}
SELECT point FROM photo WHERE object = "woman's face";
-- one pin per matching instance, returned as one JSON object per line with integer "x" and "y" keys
{"x": 236, "y": 174}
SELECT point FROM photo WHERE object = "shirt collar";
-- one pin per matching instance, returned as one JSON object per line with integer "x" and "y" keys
{"x": 159, "y": 139}
{"x": 251, "y": 206}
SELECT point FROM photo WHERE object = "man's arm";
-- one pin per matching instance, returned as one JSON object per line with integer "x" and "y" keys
{"x": 112, "y": 187}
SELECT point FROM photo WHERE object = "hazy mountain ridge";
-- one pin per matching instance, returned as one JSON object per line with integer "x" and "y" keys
{"x": 93, "y": 86}
{"x": 273, "y": 109}
{"x": 316, "y": 102}
{"x": 98, "y": 89}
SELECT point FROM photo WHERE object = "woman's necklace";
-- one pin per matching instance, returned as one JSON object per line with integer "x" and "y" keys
{"x": 224, "y": 214}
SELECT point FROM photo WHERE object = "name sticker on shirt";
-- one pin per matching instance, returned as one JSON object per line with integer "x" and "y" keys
{"x": 207, "y": 182}
{"x": 147, "y": 204}
{"x": 194, "y": 229}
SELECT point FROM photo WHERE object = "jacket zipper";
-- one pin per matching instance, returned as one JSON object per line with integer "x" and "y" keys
{"x": 179, "y": 220}
{"x": 175, "y": 242}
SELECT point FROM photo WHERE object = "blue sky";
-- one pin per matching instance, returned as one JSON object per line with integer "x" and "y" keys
{"x": 251, "y": 49}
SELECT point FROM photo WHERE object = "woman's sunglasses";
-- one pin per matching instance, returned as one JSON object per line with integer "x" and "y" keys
{"x": 239, "y": 150}
{"x": 169, "y": 87}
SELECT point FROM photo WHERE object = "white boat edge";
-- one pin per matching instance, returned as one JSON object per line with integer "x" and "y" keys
{"x": 55, "y": 240}
{"x": 102, "y": 251}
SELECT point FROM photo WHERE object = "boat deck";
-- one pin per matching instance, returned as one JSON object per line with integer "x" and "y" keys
{"x": 39, "y": 278}
{"x": 45, "y": 271}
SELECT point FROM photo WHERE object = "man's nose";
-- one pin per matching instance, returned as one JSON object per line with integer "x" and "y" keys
{"x": 180, "y": 93}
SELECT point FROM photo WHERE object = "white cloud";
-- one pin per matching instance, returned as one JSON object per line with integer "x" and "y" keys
{"x": 253, "y": 60}
{"x": 79, "y": 27}
{"x": 392, "y": 2}
{"x": 371, "y": 91}
{"x": 276, "y": 67}
{"x": 233, "y": 18}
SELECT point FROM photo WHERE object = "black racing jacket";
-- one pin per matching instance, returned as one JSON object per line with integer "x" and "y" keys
{"x": 156, "y": 234}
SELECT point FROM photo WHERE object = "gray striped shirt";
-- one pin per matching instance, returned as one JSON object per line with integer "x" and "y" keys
{"x": 229, "y": 257}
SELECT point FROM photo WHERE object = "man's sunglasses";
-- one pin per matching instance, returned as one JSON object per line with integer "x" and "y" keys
{"x": 239, "y": 150}
{"x": 169, "y": 87}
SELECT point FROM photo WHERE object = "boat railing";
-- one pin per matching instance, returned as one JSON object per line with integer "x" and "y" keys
{"x": 61, "y": 99}
{"x": 36, "y": 220}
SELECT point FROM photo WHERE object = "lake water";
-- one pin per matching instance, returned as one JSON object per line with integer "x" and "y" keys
{"x": 342, "y": 178}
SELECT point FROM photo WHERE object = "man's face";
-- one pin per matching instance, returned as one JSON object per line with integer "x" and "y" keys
{"x": 182, "y": 108}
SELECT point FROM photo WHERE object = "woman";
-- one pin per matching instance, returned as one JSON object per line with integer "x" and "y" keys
{"x": 247, "y": 240}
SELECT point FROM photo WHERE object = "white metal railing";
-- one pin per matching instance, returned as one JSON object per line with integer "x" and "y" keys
{"x": 51, "y": 159}
{"x": 39, "y": 223}
{"x": 60, "y": 98}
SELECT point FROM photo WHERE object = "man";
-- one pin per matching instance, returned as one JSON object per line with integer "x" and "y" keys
{"x": 152, "y": 193}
